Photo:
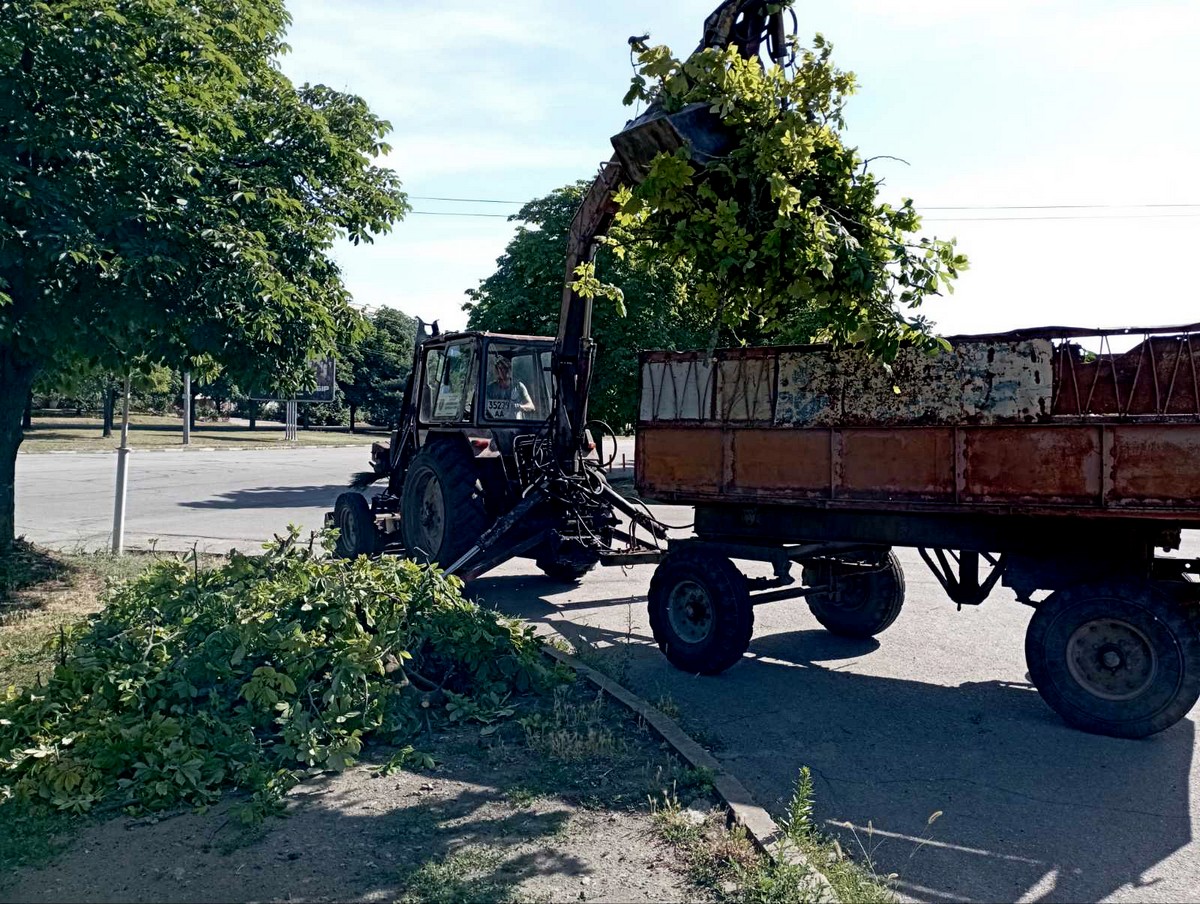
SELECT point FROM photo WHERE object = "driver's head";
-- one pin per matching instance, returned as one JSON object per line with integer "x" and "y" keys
{"x": 503, "y": 370}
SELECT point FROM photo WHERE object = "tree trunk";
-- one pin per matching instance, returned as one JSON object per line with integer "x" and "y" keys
{"x": 110, "y": 392}
{"x": 253, "y": 414}
{"x": 353, "y": 409}
{"x": 15, "y": 384}
{"x": 27, "y": 417}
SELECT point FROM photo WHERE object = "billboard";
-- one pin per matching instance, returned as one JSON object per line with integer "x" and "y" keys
{"x": 325, "y": 390}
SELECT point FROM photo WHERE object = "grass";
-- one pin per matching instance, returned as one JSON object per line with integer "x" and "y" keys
{"x": 147, "y": 431}
{"x": 723, "y": 860}
{"x": 43, "y": 593}
{"x": 572, "y": 732}
{"x": 460, "y": 878}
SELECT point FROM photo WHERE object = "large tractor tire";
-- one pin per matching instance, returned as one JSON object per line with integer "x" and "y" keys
{"x": 861, "y": 601}
{"x": 1118, "y": 658}
{"x": 442, "y": 512}
{"x": 356, "y": 527}
{"x": 700, "y": 611}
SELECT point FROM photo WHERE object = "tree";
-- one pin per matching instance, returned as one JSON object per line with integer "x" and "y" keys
{"x": 167, "y": 195}
{"x": 787, "y": 217}
{"x": 525, "y": 293}
{"x": 374, "y": 369}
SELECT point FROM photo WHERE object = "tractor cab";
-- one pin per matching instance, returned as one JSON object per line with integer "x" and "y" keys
{"x": 496, "y": 386}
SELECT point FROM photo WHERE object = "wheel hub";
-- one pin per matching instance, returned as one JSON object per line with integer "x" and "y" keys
{"x": 1111, "y": 659}
{"x": 433, "y": 518}
{"x": 690, "y": 611}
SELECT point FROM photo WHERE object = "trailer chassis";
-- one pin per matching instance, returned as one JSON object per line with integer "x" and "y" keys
{"x": 1114, "y": 645}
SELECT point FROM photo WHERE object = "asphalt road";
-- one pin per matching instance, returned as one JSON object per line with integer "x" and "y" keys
{"x": 934, "y": 716}
{"x": 218, "y": 499}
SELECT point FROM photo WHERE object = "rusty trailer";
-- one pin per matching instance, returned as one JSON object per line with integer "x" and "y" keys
{"x": 1055, "y": 461}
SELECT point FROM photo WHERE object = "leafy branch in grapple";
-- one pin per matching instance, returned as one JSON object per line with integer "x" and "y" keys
{"x": 250, "y": 675}
{"x": 784, "y": 237}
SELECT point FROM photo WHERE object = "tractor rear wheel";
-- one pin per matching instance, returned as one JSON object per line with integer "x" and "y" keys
{"x": 442, "y": 512}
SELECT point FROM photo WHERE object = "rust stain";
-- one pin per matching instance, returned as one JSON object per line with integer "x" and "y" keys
{"x": 679, "y": 459}
{"x": 1059, "y": 464}
{"x": 908, "y": 464}
{"x": 792, "y": 462}
{"x": 1155, "y": 464}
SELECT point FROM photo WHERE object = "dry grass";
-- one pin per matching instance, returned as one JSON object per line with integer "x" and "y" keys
{"x": 82, "y": 434}
{"x": 41, "y": 593}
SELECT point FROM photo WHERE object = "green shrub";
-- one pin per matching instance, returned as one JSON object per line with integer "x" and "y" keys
{"x": 250, "y": 674}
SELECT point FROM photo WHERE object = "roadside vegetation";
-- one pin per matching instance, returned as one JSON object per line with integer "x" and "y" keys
{"x": 210, "y": 692}
{"x": 148, "y": 431}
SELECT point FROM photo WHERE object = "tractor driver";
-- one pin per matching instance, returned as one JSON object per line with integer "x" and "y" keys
{"x": 507, "y": 399}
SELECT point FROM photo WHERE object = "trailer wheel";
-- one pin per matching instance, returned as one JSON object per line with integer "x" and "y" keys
{"x": 442, "y": 512}
{"x": 700, "y": 611}
{"x": 1115, "y": 658}
{"x": 864, "y": 601}
{"x": 356, "y": 527}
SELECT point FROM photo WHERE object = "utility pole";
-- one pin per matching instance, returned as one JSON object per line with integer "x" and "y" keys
{"x": 187, "y": 407}
{"x": 118, "y": 537}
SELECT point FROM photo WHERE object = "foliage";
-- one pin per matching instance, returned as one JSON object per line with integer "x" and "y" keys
{"x": 790, "y": 218}
{"x": 525, "y": 293}
{"x": 250, "y": 675}
{"x": 168, "y": 195}
{"x": 374, "y": 369}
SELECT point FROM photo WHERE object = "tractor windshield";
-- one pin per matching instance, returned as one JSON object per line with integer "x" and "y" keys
{"x": 518, "y": 383}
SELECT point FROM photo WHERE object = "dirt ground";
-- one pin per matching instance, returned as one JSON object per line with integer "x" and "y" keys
{"x": 560, "y": 813}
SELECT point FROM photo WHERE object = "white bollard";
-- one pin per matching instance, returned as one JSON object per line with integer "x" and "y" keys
{"x": 118, "y": 537}
{"x": 187, "y": 407}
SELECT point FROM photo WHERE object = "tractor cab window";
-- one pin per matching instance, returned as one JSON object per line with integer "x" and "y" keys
{"x": 518, "y": 383}
{"x": 448, "y": 375}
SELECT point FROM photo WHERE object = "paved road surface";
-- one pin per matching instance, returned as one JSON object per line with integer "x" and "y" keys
{"x": 219, "y": 499}
{"x": 936, "y": 715}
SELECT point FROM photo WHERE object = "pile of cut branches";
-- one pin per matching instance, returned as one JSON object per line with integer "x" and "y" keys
{"x": 250, "y": 675}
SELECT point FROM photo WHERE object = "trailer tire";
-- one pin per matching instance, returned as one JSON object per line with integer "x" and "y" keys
{"x": 356, "y": 527}
{"x": 866, "y": 603}
{"x": 442, "y": 511}
{"x": 1118, "y": 658}
{"x": 700, "y": 611}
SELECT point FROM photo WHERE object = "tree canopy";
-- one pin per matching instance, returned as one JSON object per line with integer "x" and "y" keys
{"x": 374, "y": 369}
{"x": 167, "y": 194}
{"x": 524, "y": 294}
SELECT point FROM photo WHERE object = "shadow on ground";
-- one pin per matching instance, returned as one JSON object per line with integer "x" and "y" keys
{"x": 24, "y": 567}
{"x": 490, "y": 823}
{"x": 1029, "y": 807}
{"x": 272, "y": 497}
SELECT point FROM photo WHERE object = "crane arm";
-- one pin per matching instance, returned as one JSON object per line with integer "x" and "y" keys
{"x": 743, "y": 24}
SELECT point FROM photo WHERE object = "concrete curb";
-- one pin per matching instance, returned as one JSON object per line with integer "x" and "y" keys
{"x": 764, "y": 832}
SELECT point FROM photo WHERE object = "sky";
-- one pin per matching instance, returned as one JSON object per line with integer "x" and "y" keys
{"x": 1057, "y": 140}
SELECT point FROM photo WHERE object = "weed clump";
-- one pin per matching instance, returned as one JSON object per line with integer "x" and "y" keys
{"x": 250, "y": 675}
